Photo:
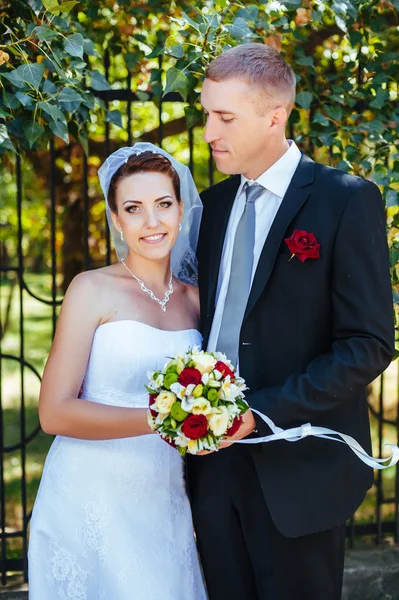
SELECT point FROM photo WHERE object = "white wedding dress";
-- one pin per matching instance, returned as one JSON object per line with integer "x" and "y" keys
{"x": 112, "y": 520}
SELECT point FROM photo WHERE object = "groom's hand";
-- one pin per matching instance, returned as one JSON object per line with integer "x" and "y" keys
{"x": 248, "y": 426}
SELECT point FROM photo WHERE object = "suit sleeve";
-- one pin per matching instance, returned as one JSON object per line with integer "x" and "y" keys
{"x": 362, "y": 320}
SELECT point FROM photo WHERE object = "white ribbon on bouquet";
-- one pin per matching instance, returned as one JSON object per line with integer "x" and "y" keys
{"x": 294, "y": 434}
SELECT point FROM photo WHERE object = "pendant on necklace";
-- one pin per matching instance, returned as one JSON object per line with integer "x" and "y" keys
{"x": 145, "y": 289}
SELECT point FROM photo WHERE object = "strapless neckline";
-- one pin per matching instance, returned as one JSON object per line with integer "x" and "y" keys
{"x": 149, "y": 326}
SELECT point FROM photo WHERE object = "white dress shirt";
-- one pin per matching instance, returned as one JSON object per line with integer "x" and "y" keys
{"x": 275, "y": 181}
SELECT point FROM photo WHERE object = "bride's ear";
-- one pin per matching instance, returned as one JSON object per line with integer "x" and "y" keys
{"x": 181, "y": 207}
{"x": 115, "y": 221}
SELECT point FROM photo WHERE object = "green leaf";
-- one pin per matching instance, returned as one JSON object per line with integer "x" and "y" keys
{"x": 304, "y": 99}
{"x": 15, "y": 79}
{"x": 84, "y": 141}
{"x": 335, "y": 112}
{"x": 174, "y": 48}
{"x": 89, "y": 100}
{"x": 343, "y": 165}
{"x": 156, "y": 75}
{"x": 249, "y": 13}
{"x": 307, "y": 61}
{"x": 326, "y": 139}
{"x": 24, "y": 99}
{"x": 5, "y": 141}
{"x": 380, "y": 99}
{"x": 49, "y": 87}
{"x": 55, "y": 113}
{"x": 33, "y": 131}
{"x": 342, "y": 25}
{"x": 69, "y": 99}
{"x": 375, "y": 126}
{"x": 61, "y": 23}
{"x": 10, "y": 100}
{"x": 321, "y": 119}
{"x": 393, "y": 256}
{"x": 98, "y": 81}
{"x": 115, "y": 117}
{"x": 391, "y": 198}
{"x": 60, "y": 129}
{"x": 43, "y": 32}
{"x": 31, "y": 73}
{"x": 131, "y": 59}
{"x": 240, "y": 29}
{"x": 176, "y": 81}
{"x": 52, "y": 6}
{"x": 142, "y": 96}
{"x": 74, "y": 45}
{"x": 4, "y": 113}
{"x": 67, "y": 6}
{"x": 193, "y": 115}
{"x": 89, "y": 48}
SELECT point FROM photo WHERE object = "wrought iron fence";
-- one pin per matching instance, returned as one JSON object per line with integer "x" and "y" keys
{"x": 378, "y": 521}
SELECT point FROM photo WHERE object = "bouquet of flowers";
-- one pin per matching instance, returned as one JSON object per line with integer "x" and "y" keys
{"x": 196, "y": 401}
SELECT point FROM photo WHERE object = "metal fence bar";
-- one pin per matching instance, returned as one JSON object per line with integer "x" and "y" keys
{"x": 53, "y": 234}
{"x": 160, "y": 108}
{"x": 129, "y": 111}
{"x": 3, "y": 560}
{"x": 107, "y": 151}
{"x": 86, "y": 209}
{"x": 21, "y": 362}
{"x": 379, "y": 481}
{"x": 397, "y": 466}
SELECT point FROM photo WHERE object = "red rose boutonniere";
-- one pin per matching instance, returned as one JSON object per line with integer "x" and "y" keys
{"x": 303, "y": 245}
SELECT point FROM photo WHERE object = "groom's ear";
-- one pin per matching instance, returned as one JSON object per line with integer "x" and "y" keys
{"x": 279, "y": 117}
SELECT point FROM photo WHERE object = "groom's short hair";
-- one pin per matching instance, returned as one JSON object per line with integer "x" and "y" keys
{"x": 260, "y": 66}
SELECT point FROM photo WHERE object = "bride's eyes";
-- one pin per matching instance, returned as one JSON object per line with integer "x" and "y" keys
{"x": 134, "y": 208}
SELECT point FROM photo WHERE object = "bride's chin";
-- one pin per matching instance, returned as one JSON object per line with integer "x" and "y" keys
{"x": 156, "y": 253}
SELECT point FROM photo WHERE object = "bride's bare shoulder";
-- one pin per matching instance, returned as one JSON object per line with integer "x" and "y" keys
{"x": 93, "y": 284}
{"x": 192, "y": 295}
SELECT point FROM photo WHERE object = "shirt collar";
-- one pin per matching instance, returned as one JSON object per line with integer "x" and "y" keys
{"x": 278, "y": 177}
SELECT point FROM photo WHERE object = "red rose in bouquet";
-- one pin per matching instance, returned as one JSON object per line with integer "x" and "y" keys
{"x": 195, "y": 426}
{"x": 235, "y": 426}
{"x": 152, "y": 401}
{"x": 224, "y": 369}
{"x": 303, "y": 245}
{"x": 189, "y": 376}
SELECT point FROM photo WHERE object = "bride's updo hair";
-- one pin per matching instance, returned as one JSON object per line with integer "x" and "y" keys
{"x": 145, "y": 162}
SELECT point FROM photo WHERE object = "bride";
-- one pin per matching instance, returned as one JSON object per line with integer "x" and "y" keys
{"x": 112, "y": 520}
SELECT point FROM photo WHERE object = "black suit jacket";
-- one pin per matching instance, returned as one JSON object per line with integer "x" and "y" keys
{"x": 313, "y": 336}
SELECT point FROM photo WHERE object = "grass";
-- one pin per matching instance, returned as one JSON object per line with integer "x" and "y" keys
{"x": 37, "y": 343}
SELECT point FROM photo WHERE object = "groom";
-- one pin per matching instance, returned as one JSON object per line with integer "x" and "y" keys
{"x": 295, "y": 288}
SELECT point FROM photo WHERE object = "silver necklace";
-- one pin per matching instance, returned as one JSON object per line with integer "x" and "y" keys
{"x": 145, "y": 289}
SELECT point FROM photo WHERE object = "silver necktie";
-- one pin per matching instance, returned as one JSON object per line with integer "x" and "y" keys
{"x": 240, "y": 277}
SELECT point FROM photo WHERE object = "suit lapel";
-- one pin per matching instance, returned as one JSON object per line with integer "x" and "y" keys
{"x": 295, "y": 197}
{"x": 220, "y": 217}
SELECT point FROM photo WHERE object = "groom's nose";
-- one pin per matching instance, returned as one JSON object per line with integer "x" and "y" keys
{"x": 210, "y": 132}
